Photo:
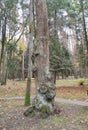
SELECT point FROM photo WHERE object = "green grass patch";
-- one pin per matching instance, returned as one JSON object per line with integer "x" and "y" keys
{"x": 66, "y": 82}
{"x": 69, "y": 82}
{"x": 58, "y": 119}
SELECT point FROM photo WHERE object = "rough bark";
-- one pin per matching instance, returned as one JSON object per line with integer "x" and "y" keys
{"x": 4, "y": 69}
{"x": 45, "y": 90}
{"x": 44, "y": 99}
{"x": 84, "y": 26}
{"x": 3, "y": 40}
{"x": 3, "y": 43}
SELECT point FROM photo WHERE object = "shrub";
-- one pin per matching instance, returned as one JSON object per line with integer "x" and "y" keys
{"x": 81, "y": 81}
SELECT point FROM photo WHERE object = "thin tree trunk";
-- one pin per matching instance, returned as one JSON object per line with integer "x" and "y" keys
{"x": 84, "y": 32}
{"x": 23, "y": 65}
{"x": 2, "y": 47}
{"x": 30, "y": 51}
{"x": 3, "y": 40}
{"x": 23, "y": 59}
{"x": 23, "y": 50}
{"x": 4, "y": 69}
{"x": 84, "y": 25}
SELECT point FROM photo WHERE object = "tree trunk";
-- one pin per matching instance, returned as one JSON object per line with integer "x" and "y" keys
{"x": 85, "y": 38}
{"x": 45, "y": 89}
{"x": 3, "y": 48}
{"x": 23, "y": 65}
{"x": 84, "y": 26}
{"x": 30, "y": 49}
{"x": 3, "y": 40}
{"x": 4, "y": 69}
{"x": 23, "y": 77}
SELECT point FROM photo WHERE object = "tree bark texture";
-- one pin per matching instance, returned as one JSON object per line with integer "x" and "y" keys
{"x": 45, "y": 89}
{"x": 44, "y": 100}
{"x": 84, "y": 26}
{"x": 3, "y": 43}
{"x": 3, "y": 77}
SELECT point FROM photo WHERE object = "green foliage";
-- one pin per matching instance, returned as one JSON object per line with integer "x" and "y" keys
{"x": 59, "y": 56}
{"x": 58, "y": 119}
{"x": 60, "y": 59}
{"x": 11, "y": 48}
{"x": 57, "y": 5}
{"x": 12, "y": 66}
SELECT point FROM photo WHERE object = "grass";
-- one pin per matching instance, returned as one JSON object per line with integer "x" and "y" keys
{"x": 70, "y": 89}
{"x": 68, "y": 82}
{"x": 64, "y": 82}
{"x": 58, "y": 119}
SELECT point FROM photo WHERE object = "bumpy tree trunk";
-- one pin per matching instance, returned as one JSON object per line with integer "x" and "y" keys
{"x": 45, "y": 88}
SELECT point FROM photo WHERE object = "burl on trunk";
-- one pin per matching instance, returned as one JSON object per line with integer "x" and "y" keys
{"x": 44, "y": 99}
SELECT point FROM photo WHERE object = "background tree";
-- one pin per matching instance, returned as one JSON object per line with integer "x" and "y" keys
{"x": 30, "y": 52}
{"x": 60, "y": 55}
{"x": 6, "y": 14}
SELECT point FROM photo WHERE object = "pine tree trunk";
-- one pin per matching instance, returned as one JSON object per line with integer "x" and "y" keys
{"x": 84, "y": 26}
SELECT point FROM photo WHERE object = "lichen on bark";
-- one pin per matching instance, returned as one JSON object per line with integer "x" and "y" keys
{"x": 45, "y": 94}
{"x": 44, "y": 100}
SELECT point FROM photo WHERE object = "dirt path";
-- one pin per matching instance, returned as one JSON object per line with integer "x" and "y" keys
{"x": 80, "y": 103}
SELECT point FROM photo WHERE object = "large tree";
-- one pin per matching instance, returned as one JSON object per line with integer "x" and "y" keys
{"x": 45, "y": 89}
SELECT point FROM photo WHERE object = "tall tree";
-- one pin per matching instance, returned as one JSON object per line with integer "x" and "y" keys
{"x": 84, "y": 24}
{"x": 60, "y": 60}
{"x": 45, "y": 89}
{"x": 9, "y": 28}
{"x": 30, "y": 52}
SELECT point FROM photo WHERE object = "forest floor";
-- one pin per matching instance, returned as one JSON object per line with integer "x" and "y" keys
{"x": 71, "y": 117}
{"x": 63, "y": 90}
